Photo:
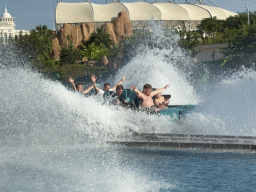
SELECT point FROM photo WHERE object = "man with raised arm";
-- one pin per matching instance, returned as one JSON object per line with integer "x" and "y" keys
{"x": 147, "y": 94}
{"x": 106, "y": 86}
{"x": 79, "y": 87}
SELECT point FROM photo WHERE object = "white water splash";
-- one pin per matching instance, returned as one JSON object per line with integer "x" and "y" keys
{"x": 230, "y": 109}
{"x": 153, "y": 69}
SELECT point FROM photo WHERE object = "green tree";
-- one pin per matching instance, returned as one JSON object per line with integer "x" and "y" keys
{"x": 211, "y": 26}
{"x": 100, "y": 38}
{"x": 239, "y": 20}
{"x": 41, "y": 41}
{"x": 242, "y": 43}
{"x": 189, "y": 39}
{"x": 38, "y": 43}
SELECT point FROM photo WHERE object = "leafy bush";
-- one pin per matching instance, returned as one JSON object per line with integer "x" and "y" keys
{"x": 189, "y": 39}
{"x": 69, "y": 55}
{"x": 78, "y": 70}
{"x": 94, "y": 52}
{"x": 219, "y": 38}
{"x": 52, "y": 64}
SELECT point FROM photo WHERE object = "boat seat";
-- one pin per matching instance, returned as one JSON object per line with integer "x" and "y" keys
{"x": 167, "y": 96}
{"x": 129, "y": 95}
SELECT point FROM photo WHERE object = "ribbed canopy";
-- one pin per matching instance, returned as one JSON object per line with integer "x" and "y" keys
{"x": 137, "y": 11}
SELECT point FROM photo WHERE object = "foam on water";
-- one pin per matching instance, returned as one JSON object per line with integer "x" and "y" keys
{"x": 52, "y": 139}
{"x": 153, "y": 69}
{"x": 72, "y": 168}
{"x": 35, "y": 109}
{"x": 159, "y": 65}
{"x": 230, "y": 109}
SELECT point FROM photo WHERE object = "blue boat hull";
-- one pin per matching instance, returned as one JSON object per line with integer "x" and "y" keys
{"x": 176, "y": 111}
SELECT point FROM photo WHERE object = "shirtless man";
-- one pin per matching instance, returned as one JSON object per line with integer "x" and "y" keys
{"x": 79, "y": 87}
{"x": 147, "y": 95}
{"x": 106, "y": 86}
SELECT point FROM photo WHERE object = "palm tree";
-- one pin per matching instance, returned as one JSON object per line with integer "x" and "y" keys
{"x": 40, "y": 40}
{"x": 100, "y": 38}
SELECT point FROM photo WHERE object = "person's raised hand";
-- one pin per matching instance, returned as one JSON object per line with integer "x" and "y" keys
{"x": 133, "y": 87}
{"x": 167, "y": 86}
{"x": 71, "y": 80}
{"x": 123, "y": 78}
{"x": 93, "y": 78}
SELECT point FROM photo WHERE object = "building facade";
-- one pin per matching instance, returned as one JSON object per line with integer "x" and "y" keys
{"x": 7, "y": 26}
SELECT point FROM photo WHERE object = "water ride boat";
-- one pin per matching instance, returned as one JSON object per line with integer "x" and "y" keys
{"x": 174, "y": 111}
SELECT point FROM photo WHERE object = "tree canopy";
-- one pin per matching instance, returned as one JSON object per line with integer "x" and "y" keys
{"x": 243, "y": 41}
{"x": 100, "y": 38}
{"x": 38, "y": 43}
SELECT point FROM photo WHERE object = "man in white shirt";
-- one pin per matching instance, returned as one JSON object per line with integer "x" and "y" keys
{"x": 106, "y": 86}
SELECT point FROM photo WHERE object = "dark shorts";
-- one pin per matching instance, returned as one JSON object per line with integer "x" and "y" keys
{"x": 150, "y": 110}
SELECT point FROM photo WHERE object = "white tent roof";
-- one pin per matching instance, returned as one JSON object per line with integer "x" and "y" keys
{"x": 195, "y": 13}
{"x": 107, "y": 12}
{"x": 137, "y": 11}
{"x": 171, "y": 11}
{"x": 214, "y": 12}
{"x": 74, "y": 13}
{"x": 142, "y": 11}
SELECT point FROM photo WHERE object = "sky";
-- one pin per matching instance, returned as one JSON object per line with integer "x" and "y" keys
{"x": 30, "y": 13}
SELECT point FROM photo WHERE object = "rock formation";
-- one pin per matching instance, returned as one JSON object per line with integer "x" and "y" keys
{"x": 118, "y": 29}
{"x": 78, "y": 35}
{"x": 55, "y": 48}
{"x": 104, "y": 61}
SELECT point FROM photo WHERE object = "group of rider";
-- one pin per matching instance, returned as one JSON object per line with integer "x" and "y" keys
{"x": 150, "y": 100}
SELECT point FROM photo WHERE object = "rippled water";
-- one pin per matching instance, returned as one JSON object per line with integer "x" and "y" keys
{"x": 104, "y": 168}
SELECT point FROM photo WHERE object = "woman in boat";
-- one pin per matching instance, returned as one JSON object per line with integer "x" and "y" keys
{"x": 160, "y": 102}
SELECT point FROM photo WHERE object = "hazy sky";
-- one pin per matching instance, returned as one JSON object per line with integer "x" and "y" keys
{"x": 30, "y": 13}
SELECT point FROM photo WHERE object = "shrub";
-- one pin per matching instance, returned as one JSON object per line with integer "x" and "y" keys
{"x": 94, "y": 52}
{"x": 69, "y": 55}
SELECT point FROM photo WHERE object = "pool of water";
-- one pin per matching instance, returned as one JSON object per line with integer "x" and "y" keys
{"x": 87, "y": 167}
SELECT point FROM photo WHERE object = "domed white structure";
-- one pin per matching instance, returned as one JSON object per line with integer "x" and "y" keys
{"x": 7, "y": 26}
{"x": 6, "y": 14}
{"x": 171, "y": 15}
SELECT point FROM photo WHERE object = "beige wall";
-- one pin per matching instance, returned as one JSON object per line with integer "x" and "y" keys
{"x": 210, "y": 52}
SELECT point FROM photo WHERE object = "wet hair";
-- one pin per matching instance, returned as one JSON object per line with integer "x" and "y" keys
{"x": 119, "y": 87}
{"x": 147, "y": 86}
{"x": 78, "y": 84}
{"x": 105, "y": 85}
